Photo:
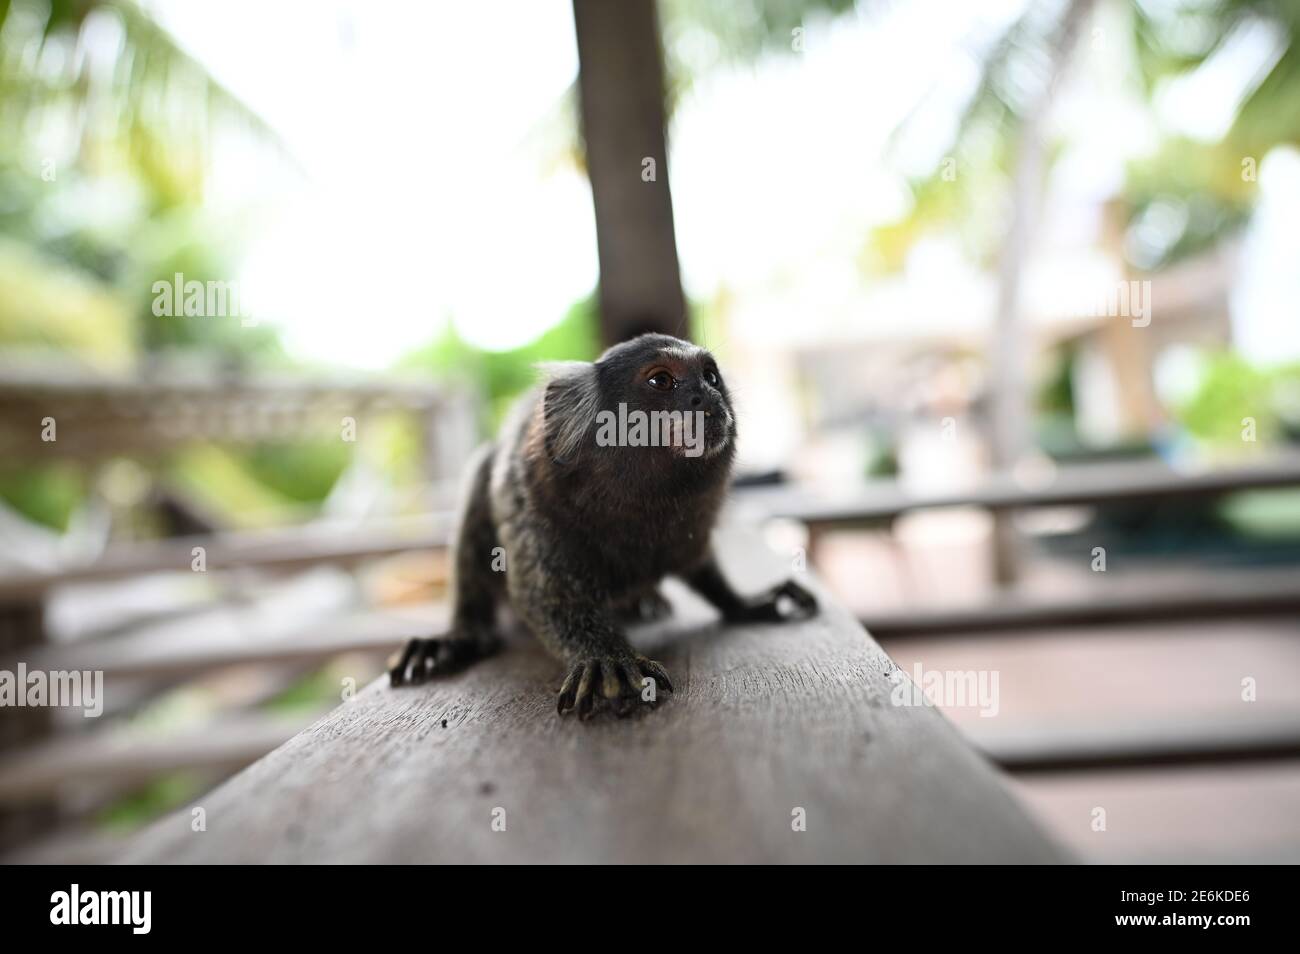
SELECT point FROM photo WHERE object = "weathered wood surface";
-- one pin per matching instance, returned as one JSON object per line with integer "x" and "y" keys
{"x": 765, "y": 720}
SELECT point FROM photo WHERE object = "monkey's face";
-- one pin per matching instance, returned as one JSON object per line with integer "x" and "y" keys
{"x": 675, "y": 389}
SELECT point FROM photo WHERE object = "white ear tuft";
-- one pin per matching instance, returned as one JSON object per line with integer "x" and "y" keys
{"x": 570, "y": 401}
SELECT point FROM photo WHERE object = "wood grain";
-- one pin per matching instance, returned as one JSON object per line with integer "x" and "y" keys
{"x": 766, "y": 719}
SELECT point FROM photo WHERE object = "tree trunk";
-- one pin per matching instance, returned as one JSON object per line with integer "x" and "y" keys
{"x": 621, "y": 80}
{"x": 1011, "y": 399}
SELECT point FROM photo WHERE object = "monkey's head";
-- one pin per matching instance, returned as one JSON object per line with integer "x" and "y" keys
{"x": 654, "y": 400}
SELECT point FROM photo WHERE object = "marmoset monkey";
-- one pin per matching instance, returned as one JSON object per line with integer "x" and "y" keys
{"x": 605, "y": 480}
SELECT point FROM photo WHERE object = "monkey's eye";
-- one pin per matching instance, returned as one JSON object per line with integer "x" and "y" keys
{"x": 711, "y": 377}
{"x": 661, "y": 381}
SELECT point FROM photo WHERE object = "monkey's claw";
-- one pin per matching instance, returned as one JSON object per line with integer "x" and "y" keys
{"x": 425, "y": 658}
{"x": 620, "y": 681}
{"x": 785, "y": 601}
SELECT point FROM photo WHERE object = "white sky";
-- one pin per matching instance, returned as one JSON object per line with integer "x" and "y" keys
{"x": 421, "y": 201}
{"x": 432, "y": 194}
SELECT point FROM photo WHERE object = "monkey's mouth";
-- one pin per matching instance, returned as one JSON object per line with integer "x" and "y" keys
{"x": 717, "y": 431}
{"x": 710, "y": 433}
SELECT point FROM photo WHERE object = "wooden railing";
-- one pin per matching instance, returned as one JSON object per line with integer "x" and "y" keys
{"x": 1190, "y": 595}
{"x": 1066, "y": 485}
{"x": 781, "y": 743}
{"x": 764, "y": 716}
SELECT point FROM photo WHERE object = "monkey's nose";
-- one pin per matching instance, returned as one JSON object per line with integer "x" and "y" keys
{"x": 696, "y": 400}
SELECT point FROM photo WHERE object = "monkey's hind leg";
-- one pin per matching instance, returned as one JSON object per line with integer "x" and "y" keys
{"x": 477, "y": 583}
{"x": 781, "y": 603}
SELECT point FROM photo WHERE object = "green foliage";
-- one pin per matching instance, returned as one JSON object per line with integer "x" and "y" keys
{"x": 1173, "y": 38}
{"x": 47, "y": 495}
{"x": 47, "y": 305}
{"x": 267, "y": 484}
{"x": 742, "y": 30}
{"x": 1231, "y": 390}
{"x": 151, "y": 114}
{"x": 304, "y": 472}
{"x": 963, "y": 193}
{"x": 115, "y": 201}
{"x": 1199, "y": 187}
{"x": 959, "y": 204}
{"x": 160, "y": 796}
{"x": 1264, "y": 514}
{"x": 1202, "y": 183}
{"x": 504, "y": 375}
{"x": 311, "y": 693}
{"x": 1057, "y": 393}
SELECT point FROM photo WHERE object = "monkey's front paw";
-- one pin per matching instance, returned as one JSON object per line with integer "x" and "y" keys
{"x": 619, "y": 680}
{"x": 424, "y": 658}
{"x": 785, "y": 601}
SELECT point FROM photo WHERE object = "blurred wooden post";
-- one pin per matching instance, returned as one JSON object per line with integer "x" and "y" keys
{"x": 1127, "y": 347}
{"x": 1012, "y": 422}
{"x": 449, "y": 432}
{"x": 621, "y": 80}
{"x": 22, "y": 633}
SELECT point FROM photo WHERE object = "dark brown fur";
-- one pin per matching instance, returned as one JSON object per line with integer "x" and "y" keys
{"x": 588, "y": 532}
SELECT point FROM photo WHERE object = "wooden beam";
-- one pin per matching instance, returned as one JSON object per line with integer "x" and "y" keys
{"x": 107, "y": 415}
{"x": 185, "y": 649}
{"x": 22, "y": 632}
{"x": 1073, "y": 485}
{"x": 34, "y": 773}
{"x": 1226, "y": 595}
{"x": 768, "y": 721}
{"x": 1098, "y": 746}
{"x": 286, "y": 549}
